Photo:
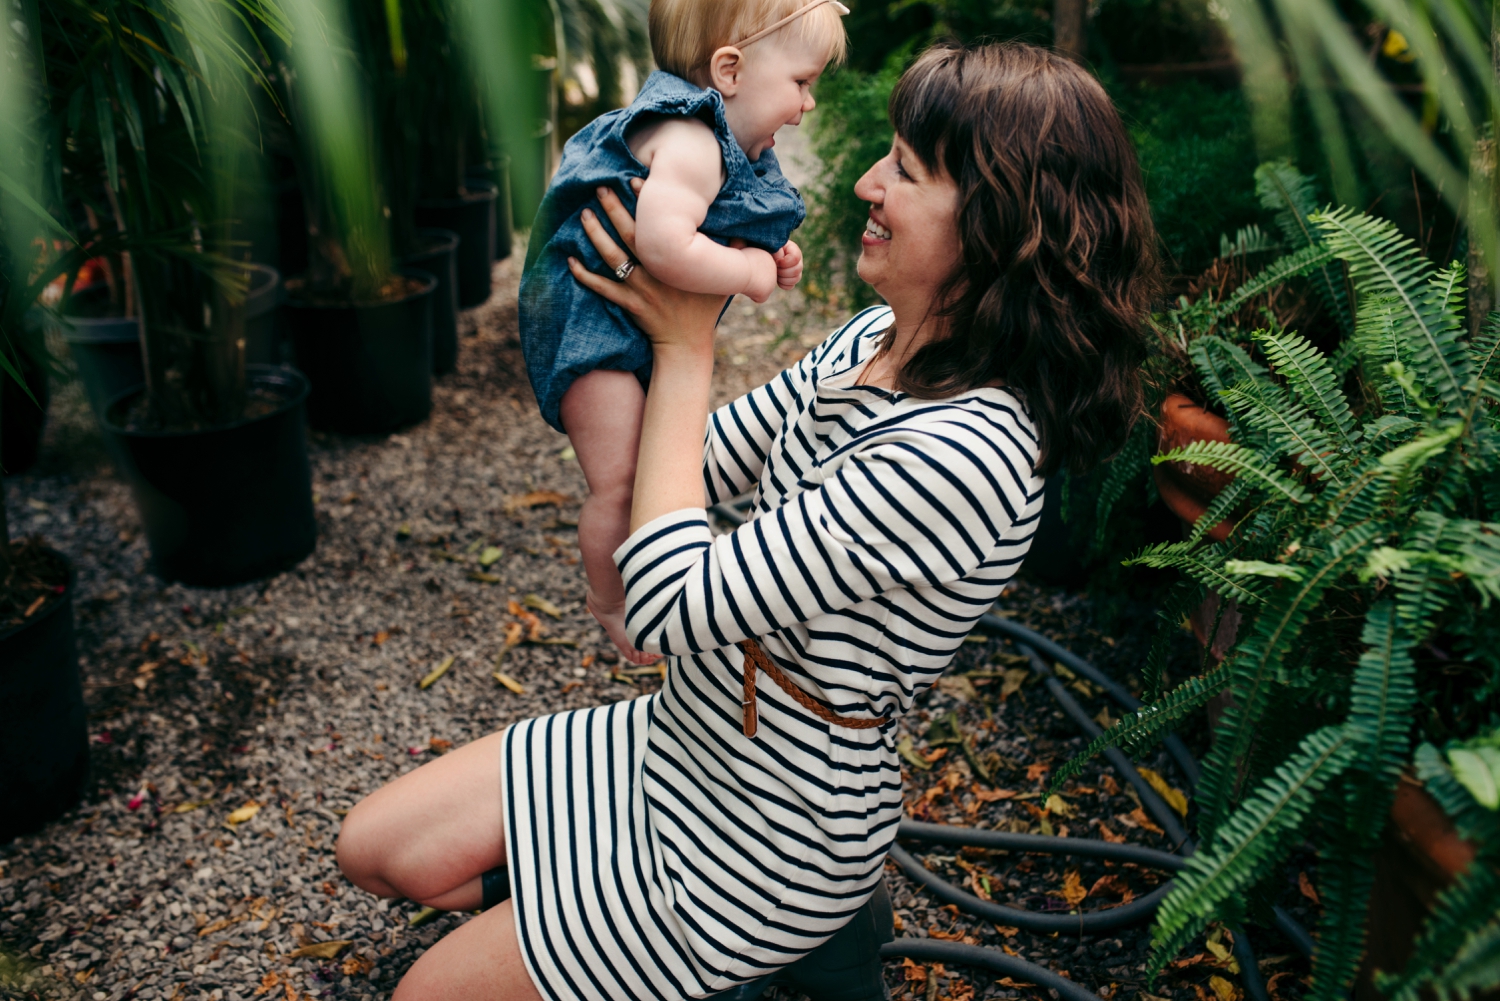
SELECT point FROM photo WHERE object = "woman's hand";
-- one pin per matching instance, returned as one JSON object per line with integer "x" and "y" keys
{"x": 669, "y": 317}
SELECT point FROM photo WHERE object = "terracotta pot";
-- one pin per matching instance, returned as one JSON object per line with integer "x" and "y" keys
{"x": 1185, "y": 488}
{"x": 1417, "y": 860}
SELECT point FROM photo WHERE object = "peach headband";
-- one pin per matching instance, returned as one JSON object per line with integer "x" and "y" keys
{"x": 762, "y": 33}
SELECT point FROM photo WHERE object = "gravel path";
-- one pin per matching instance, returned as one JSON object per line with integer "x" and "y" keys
{"x": 231, "y": 729}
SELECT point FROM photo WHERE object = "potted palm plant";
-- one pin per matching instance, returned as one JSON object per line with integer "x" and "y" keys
{"x": 43, "y": 740}
{"x": 361, "y": 329}
{"x": 1364, "y": 556}
{"x": 214, "y": 449}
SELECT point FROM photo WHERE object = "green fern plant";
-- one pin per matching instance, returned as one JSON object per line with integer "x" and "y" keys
{"x": 1365, "y": 554}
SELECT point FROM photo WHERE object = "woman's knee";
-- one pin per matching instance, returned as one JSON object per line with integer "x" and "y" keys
{"x": 361, "y": 852}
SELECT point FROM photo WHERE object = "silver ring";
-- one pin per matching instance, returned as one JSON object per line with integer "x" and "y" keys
{"x": 623, "y": 271}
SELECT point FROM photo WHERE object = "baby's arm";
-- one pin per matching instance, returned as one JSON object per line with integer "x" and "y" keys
{"x": 686, "y": 174}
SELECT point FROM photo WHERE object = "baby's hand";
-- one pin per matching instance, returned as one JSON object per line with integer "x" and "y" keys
{"x": 788, "y": 265}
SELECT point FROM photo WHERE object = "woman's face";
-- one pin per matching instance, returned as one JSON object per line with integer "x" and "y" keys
{"x": 911, "y": 236}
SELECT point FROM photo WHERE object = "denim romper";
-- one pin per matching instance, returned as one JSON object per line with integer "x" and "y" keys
{"x": 566, "y": 330}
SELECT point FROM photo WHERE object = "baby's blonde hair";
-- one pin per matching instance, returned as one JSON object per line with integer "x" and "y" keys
{"x": 685, "y": 33}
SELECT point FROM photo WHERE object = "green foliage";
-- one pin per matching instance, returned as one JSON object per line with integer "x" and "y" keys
{"x": 1367, "y": 536}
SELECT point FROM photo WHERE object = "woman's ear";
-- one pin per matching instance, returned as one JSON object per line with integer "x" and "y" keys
{"x": 725, "y": 67}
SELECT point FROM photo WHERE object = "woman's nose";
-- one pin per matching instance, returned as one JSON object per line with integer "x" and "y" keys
{"x": 868, "y": 188}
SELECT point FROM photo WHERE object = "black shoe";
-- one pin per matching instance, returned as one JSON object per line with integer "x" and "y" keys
{"x": 495, "y": 887}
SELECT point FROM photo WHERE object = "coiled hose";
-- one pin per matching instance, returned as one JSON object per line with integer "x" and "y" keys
{"x": 1034, "y": 645}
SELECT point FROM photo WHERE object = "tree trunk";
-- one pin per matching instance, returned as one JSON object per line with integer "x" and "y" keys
{"x": 1068, "y": 19}
{"x": 1481, "y": 192}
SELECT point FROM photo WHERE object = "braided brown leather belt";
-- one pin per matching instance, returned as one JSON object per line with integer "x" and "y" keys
{"x": 755, "y": 657}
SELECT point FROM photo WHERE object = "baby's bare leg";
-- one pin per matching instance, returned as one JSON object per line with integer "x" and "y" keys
{"x": 602, "y": 412}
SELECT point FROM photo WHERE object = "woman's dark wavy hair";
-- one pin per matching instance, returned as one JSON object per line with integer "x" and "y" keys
{"x": 1058, "y": 264}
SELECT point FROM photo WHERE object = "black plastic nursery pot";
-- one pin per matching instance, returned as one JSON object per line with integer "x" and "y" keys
{"x": 44, "y": 744}
{"x": 370, "y": 365}
{"x": 226, "y": 504}
{"x": 472, "y": 217}
{"x": 262, "y": 332}
{"x": 439, "y": 258}
{"x": 22, "y": 417}
{"x": 107, "y": 353}
{"x": 497, "y": 172}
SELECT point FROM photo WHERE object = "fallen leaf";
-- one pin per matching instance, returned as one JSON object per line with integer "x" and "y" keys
{"x": 991, "y": 795}
{"x": 913, "y": 971}
{"x": 490, "y": 555}
{"x": 510, "y": 682}
{"x": 1215, "y": 944}
{"x": 1014, "y": 679}
{"x": 423, "y": 916}
{"x": 1035, "y": 771}
{"x": 432, "y": 676}
{"x": 1007, "y": 930}
{"x": 1112, "y": 884}
{"x": 380, "y": 637}
{"x": 934, "y": 756}
{"x": 1008, "y": 982}
{"x": 31, "y": 608}
{"x": 403, "y": 530}
{"x": 1141, "y": 820}
{"x": 1072, "y": 890}
{"x": 536, "y": 498}
{"x": 1056, "y": 804}
{"x": 221, "y": 924}
{"x": 1110, "y": 785}
{"x": 958, "y": 687}
{"x": 321, "y": 950}
{"x": 1104, "y": 719}
{"x": 438, "y": 745}
{"x": 268, "y": 983}
{"x": 908, "y": 753}
{"x": 357, "y": 965}
{"x": 1226, "y": 990}
{"x": 542, "y": 605}
{"x": 1306, "y": 887}
{"x": 1174, "y": 797}
{"x": 244, "y": 813}
{"x": 1109, "y": 835}
{"x": 1274, "y": 980}
{"x": 484, "y": 578}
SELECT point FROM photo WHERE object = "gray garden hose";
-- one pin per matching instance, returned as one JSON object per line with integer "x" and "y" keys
{"x": 932, "y": 951}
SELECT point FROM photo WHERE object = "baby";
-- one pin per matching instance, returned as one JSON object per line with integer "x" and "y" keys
{"x": 714, "y": 215}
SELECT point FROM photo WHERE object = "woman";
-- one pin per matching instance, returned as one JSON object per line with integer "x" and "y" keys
{"x": 680, "y": 844}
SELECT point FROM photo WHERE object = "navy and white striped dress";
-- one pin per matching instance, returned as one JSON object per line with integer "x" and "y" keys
{"x": 655, "y": 851}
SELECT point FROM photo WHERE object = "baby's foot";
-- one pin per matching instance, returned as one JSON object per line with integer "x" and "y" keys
{"x": 612, "y": 618}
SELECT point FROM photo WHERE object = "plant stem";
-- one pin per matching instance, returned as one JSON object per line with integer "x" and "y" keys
{"x": 1068, "y": 19}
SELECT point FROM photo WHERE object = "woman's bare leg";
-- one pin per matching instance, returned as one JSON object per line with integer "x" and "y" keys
{"x": 429, "y": 836}
{"x": 602, "y": 412}
{"x": 432, "y": 833}
{"x": 478, "y": 961}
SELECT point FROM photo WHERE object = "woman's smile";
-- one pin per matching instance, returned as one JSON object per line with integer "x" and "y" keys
{"x": 875, "y": 233}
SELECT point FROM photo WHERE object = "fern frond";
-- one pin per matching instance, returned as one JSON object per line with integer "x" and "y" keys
{"x": 1383, "y": 262}
{"x": 1257, "y": 836}
{"x": 1183, "y": 597}
{"x": 1257, "y": 661}
{"x": 1346, "y": 873}
{"x": 1484, "y": 350}
{"x": 1379, "y": 343}
{"x": 1466, "y": 904}
{"x": 1383, "y": 694}
{"x": 1475, "y": 969}
{"x": 1278, "y": 272}
{"x": 1292, "y": 195}
{"x": 1312, "y": 381}
{"x": 1228, "y": 457}
{"x": 1205, "y": 565}
{"x": 1221, "y": 508}
{"x": 1131, "y": 461}
{"x": 1474, "y": 822}
{"x": 1289, "y": 426}
{"x": 1149, "y": 724}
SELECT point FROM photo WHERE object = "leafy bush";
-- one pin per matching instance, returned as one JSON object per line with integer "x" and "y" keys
{"x": 1365, "y": 556}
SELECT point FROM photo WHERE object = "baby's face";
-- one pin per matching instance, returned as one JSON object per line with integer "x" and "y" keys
{"x": 775, "y": 89}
